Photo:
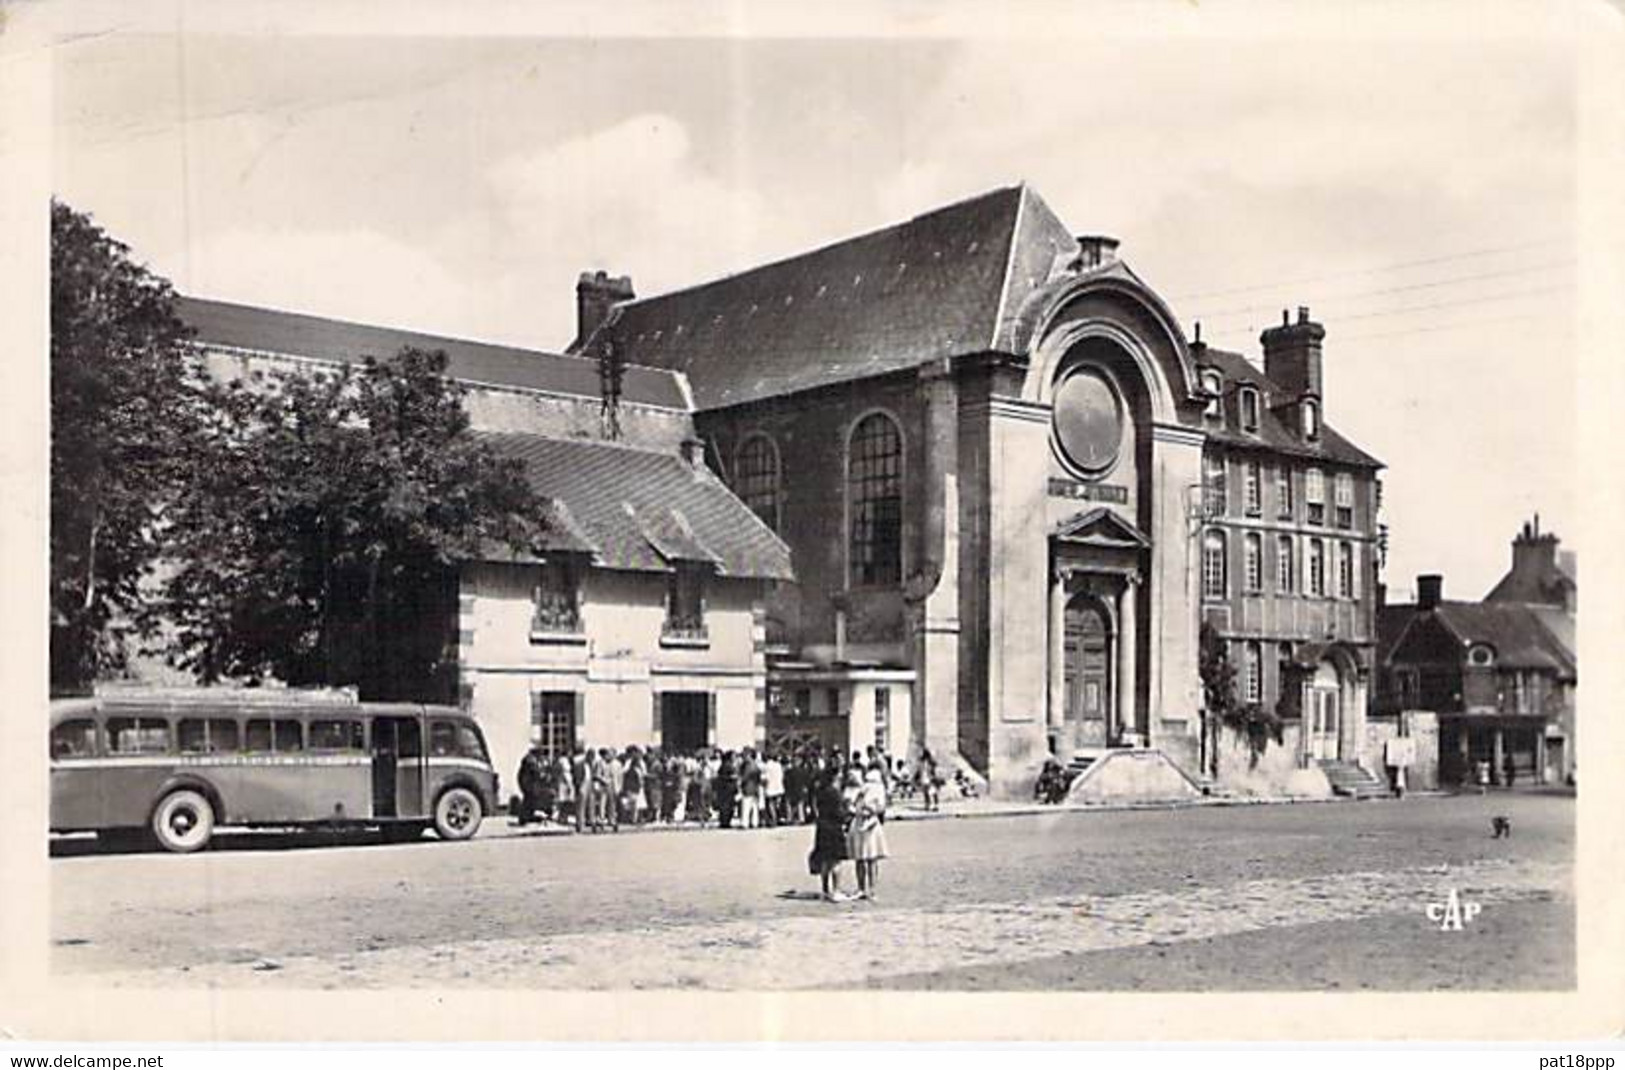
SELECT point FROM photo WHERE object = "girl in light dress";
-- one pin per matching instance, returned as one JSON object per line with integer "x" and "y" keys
{"x": 866, "y": 836}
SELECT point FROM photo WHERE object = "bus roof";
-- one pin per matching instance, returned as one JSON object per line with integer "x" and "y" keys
{"x": 235, "y": 701}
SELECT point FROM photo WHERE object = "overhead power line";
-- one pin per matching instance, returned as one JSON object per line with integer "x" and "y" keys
{"x": 1378, "y": 270}
{"x": 1509, "y": 295}
{"x": 1432, "y": 284}
{"x": 1432, "y": 327}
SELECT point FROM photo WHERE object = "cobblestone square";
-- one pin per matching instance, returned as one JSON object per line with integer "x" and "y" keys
{"x": 1329, "y": 896}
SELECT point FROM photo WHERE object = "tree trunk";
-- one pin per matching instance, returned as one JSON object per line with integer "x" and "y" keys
{"x": 370, "y": 673}
{"x": 90, "y": 559}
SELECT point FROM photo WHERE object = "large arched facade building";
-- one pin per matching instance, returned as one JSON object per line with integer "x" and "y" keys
{"x": 1001, "y": 469}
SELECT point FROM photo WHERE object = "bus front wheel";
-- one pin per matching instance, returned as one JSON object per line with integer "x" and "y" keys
{"x": 183, "y": 822}
{"x": 457, "y": 814}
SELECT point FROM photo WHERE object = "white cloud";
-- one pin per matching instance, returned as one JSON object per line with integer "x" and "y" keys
{"x": 628, "y": 195}
{"x": 356, "y": 275}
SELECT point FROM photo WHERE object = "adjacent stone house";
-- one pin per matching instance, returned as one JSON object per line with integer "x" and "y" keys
{"x": 1499, "y": 674}
{"x": 638, "y": 620}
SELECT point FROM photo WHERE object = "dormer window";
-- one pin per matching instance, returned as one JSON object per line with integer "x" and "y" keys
{"x": 1214, "y": 386}
{"x": 1311, "y": 419}
{"x": 556, "y": 599}
{"x": 685, "y": 606}
{"x": 1249, "y": 409}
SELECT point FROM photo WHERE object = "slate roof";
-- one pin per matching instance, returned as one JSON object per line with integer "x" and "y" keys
{"x": 1275, "y": 432}
{"x": 1547, "y": 584}
{"x": 941, "y": 284}
{"x": 641, "y": 510}
{"x": 220, "y": 323}
{"x": 1522, "y": 638}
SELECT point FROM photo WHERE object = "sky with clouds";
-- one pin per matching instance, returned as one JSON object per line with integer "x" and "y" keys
{"x": 1417, "y": 193}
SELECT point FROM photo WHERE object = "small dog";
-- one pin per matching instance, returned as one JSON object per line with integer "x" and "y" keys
{"x": 1501, "y": 827}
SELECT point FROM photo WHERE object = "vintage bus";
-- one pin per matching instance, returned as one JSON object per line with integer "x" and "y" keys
{"x": 180, "y": 763}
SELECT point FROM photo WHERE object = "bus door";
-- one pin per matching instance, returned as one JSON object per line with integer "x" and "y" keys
{"x": 397, "y": 767}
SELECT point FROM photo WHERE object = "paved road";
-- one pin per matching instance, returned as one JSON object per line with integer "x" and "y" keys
{"x": 1304, "y": 896}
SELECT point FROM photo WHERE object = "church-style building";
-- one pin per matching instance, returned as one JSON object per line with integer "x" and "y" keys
{"x": 1013, "y": 491}
{"x": 961, "y": 483}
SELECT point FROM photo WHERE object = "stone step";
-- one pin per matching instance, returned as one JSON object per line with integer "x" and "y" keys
{"x": 1349, "y": 779}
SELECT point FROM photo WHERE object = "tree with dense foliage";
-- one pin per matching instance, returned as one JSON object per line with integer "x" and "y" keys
{"x": 1218, "y": 689}
{"x": 319, "y": 540}
{"x": 1254, "y": 722}
{"x": 124, "y": 391}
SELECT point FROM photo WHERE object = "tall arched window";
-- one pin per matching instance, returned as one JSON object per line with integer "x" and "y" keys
{"x": 756, "y": 478}
{"x": 1214, "y": 565}
{"x": 874, "y": 494}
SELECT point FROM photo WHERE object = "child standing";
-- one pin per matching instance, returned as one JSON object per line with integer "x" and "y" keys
{"x": 866, "y": 838}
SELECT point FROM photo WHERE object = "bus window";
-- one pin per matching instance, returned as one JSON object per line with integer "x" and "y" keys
{"x": 450, "y": 739}
{"x": 258, "y": 736}
{"x": 74, "y": 739}
{"x": 289, "y": 735}
{"x": 137, "y": 735}
{"x": 336, "y": 735}
{"x": 282, "y": 736}
{"x": 469, "y": 743}
{"x": 217, "y": 735}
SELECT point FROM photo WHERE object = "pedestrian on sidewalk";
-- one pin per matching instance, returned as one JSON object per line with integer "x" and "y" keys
{"x": 604, "y": 807}
{"x": 564, "y": 796}
{"x": 683, "y": 787}
{"x": 829, "y": 836}
{"x": 725, "y": 789}
{"x": 866, "y": 835}
{"x": 773, "y": 789}
{"x": 795, "y": 788}
{"x": 1509, "y": 770}
{"x": 581, "y": 773}
{"x": 530, "y": 787}
{"x": 658, "y": 787}
{"x": 634, "y": 806}
{"x": 930, "y": 780}
{"x": 750, "y": 790}
{"x": 709, "y": 766}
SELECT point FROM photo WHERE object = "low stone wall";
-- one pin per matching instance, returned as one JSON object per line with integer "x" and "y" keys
{"x": 1275, "y": 772}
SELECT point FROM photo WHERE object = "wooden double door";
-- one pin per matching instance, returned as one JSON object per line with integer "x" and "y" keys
{"x": 1088, "y": 684}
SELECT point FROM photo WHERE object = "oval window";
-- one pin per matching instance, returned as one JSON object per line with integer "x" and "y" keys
{"x": 1088, "y": 422}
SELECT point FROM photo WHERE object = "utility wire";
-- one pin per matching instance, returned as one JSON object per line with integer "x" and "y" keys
{"x": 1380, "y": 269}
{"x": 1430, "y": 328}
{"x": 1509, "y": 295}
{"x": 1430, "y": 285}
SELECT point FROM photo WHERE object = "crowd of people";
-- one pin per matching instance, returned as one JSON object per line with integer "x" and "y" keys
{"x": 602, "y": 789}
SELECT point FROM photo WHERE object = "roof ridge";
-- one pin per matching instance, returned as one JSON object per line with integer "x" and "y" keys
{"x": 826, "y": 247}
{"x": 578, "y": 440}
{"x": 193, "y": 298}
{"x": 458, "y": 339}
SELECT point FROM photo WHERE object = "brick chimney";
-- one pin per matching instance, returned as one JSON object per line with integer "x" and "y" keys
{"x": 1534, "y": 553}
{"x": 1429, "y": 590}
{"x": 1292, "y": 362}
{"x": 596, "y": 293}
{"x": 1096, "y": 251}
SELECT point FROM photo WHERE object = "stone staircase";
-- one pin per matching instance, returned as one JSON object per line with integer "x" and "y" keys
{"x": 1349, "y": 779}
{"x": 1081, "y": 761}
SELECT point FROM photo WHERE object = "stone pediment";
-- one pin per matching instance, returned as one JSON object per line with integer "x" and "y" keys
{"x": 1102, "y": 528}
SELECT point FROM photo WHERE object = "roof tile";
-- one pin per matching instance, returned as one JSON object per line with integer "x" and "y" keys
{"x": 219, "y": 323}
{"x": 640, "y": 510}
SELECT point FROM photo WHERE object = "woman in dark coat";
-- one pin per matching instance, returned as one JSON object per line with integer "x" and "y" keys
{"x": 726, "y": 789}
{"x": 829, "y": 835}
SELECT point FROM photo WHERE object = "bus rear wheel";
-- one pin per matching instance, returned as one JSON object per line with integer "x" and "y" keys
{"x": 183, "y": 822}
{"x": 457, "y": 814}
